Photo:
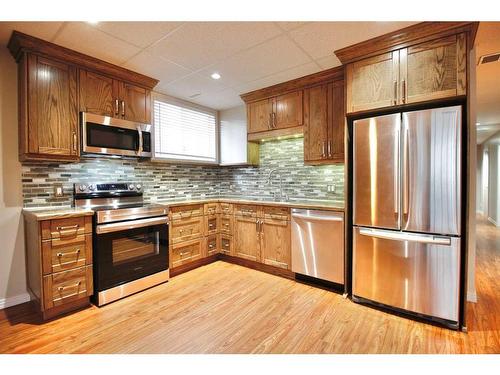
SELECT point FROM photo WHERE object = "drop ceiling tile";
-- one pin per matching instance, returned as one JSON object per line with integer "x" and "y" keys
{"x": 320, "y": 39}
{"x": 198, "y": 44}
{"x": 222, "y": 100}
{"x": 156, "y": 67}
{"x": 287, "y": 26}
{"x": 84, "y": 38}
{"x": 140, "y": 34}
{"x": 42, "y": 30}
{"x": 273, "y": 56}
{"x": 191, "y": 86}
{"x": 329, "y": 61}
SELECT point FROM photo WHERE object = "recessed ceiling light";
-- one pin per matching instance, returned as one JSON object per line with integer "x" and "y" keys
{"x": 478, "y": 123}
{"x": 215, "y": 75}
{"x": 93, "y": 22}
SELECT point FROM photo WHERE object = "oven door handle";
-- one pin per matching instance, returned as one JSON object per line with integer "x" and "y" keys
{"x": 133, "y": 224}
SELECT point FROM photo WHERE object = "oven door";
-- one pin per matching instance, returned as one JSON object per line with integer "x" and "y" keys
{"x": 128, "y": 251}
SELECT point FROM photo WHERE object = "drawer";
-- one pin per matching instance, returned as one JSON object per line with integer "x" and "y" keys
{"x": 186, "y": 229}
{"x": 61, "y": 254}
{"x": 212, "y": 208}
{"x": 278, "y": 213}
{"x": 226, "y": 244}
{"x": 67, "y": 286}
{"x": 212, "y": 245}
{"x": 70, "y": 227}
{"x": 226, "y": 208}
{"x": 226, "y": 224}
{"x": 186, "y": 212}
{"x": 185, "y": 252}
{"x": 249, "y": 210}
{"x": 211, "y": 224}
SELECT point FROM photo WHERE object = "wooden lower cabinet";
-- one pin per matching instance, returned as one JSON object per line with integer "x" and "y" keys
{"x": 186, "y": 252}
{"x": 67, "y": 286}
{"x": 246, "y": 238}
{"x": 212, "y": 245}
{"x": 275, "y": 237}
{"x": 226, "y": 244}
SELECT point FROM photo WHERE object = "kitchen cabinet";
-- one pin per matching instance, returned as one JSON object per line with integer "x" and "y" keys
{"x": 135, "y": 102}
{"x": 48, "y": 109}
{"x": 186, "y": 252}
{"x": 260, "y": 115}
{"x": 247, "y": 238}
{"x": 431, "y": 70}
{"x": 275, "y": 243}
{"x": 324, "y": 121}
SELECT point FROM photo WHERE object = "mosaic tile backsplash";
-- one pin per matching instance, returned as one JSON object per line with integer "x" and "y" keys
{"x": 163, "y": 182}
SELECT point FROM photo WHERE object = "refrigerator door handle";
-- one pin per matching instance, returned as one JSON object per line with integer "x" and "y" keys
{"x": 406, "y": 192}
{"x": 397, "y": 146}
{"x": 401, "y": 236}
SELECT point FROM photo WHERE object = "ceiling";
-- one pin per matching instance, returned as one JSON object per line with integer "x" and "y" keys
{"x": 488, "y": 81}
{"x": 183, "y": 55}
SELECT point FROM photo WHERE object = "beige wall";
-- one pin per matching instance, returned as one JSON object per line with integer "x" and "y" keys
{"x": 12, "y": 264}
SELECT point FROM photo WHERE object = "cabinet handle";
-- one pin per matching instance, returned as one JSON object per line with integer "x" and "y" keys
{"x": 329, "y": 148}
{"x": 395, "y": 97}
{"x": 404, "y": 90}
{"x": 74, "y": 252}
{"x": 323, "y": 152}
{"x": 74, "y": 142}
{"x": 61, "y": 288}
{"x": 226, "y": 244}
{"x": 123, "y": 108}
{"x": 257, "y": 226}
{"x": 274, "y": 120}
{"x": 184, "y": 253}
{"x": 117, "y": 110}
{"x": 211, "y": 246}
{"x": 270, "y": 124}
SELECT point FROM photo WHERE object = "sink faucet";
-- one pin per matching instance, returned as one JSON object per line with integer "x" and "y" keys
{"x": 281, "y": 196}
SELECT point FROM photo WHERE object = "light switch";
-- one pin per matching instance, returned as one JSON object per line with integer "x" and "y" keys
{"x": 58, "y": 190}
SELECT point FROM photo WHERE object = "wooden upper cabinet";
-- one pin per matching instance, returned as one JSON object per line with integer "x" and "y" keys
{"x": 50, "y": 118}
{"x": 287, "y": 110}
{"x": 97, "y": 94}
{"x": 434, "y": 70}
{"x": 373, "y": 82}
{"x": 259, "y": 115}
{"x": 324, "y": 121}
{"x": 135, "y": 103}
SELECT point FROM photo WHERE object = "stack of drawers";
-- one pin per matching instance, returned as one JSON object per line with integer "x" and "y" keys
{"x": 60, "y": 263}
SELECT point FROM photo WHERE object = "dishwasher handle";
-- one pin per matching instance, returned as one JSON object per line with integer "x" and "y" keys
{"x": 318, "y": 218}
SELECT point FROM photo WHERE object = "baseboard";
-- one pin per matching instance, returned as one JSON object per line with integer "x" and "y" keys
{"x": 15, "y": 300}
{"x": 493, "y": 222}
{"x": 472, "y": 297}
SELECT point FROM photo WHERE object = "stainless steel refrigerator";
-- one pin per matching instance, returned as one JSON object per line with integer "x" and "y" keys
{"x": 407, "y": 211}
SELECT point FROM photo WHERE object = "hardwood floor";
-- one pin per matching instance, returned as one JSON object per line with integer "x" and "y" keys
{"x": 226, "y": 308}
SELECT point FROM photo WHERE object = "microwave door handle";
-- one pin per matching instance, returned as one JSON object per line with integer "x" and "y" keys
{"x": 139, "y": 142}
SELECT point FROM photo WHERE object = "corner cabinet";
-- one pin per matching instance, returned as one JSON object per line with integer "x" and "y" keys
{"x": 431, "y": 70}
{"x": 48, "y": 109}
{"x": 56, "y": 83}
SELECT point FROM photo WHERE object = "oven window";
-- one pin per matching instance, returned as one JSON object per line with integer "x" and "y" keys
{"x": 133, "y": 248}
{"x": 112, "y": 137}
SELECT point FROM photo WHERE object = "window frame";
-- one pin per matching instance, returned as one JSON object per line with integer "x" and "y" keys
{"x": 186, "y": 104}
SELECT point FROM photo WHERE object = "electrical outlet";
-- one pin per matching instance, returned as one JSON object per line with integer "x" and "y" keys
{"x": 330, "y": 188}
{"x": 58, "y": 190}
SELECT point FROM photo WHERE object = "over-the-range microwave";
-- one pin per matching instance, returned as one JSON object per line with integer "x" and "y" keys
{"x": 112, "y": 136}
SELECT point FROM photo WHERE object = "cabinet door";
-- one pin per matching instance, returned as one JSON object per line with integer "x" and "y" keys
{"x": 373, "y": 82}
{"x": 336, "y": 121}
{"x": 96, "y": 94}
{"x": 434, "y": 69}
{"x": 259, "y": 115}
{"x": 135, "y": 103}
{"x": 275, "y": 243}
{"x": 52, "y": 108}
{"x": 287, "y": 110}
{"x": 246, "y": 239}
{"x": 315, "y": 122}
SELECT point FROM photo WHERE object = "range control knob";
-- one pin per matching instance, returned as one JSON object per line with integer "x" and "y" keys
{"x": 92, "y": 187}
{"x": 131, "y": 187}
{"x": 83, "y": 187}
{"x": 138, "y": 186}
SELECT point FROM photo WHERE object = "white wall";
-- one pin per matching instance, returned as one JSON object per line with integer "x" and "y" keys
{"x": 12, "y": 263}
{"x": 233, "y": 131}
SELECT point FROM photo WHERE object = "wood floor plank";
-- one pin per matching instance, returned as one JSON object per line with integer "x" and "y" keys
{"x": 226, "y": 308}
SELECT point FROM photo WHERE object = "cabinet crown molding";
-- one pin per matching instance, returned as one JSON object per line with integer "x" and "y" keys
{"x": 21, "y": 43}
{"x": 414, "y": 34}
{"x": 294, "y": 84}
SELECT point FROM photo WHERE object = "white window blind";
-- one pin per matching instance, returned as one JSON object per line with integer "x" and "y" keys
{"x": 184, "y": 133}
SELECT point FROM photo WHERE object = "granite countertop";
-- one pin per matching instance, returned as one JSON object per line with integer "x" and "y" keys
{"x": 48, "y": 213}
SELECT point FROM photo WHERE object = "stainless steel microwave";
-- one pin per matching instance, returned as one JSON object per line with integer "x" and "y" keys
{"x": 112, "y": 136}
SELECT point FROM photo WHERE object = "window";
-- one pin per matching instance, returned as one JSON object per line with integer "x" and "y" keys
{"x": 184, "y": 131}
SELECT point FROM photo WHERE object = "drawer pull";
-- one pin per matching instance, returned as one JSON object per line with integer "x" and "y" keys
{"x": 226, "y": 225}
{"x": 61, "y": 288}
{"x": 226, "y": 244}
{"x": 74, "y": 252}
{"x": 68, "y": 230}
{"x": 211, "y": 246}
{"x": 184, "y": 253}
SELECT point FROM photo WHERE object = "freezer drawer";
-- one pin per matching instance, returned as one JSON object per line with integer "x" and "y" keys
{"x": 376, "y": 153}
{"x": 414, "y": 272}
{"x": 318, "y": 244}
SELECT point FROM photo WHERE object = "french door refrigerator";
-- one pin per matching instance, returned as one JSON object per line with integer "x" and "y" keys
{"x": 407, "y": 212}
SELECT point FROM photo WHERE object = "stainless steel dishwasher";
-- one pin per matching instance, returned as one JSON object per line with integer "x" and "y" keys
{"x": 318, "y": 244}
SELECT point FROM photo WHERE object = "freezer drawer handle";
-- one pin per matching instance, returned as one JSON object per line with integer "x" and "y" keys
{"x": 405, "y": 237}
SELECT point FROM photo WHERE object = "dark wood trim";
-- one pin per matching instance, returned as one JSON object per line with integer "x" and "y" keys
{"x": 20, "y": 43}
{"x": 258, "y": 266}
{"x": 403, "y": 38}
{"x": 294, "y": 84}
{"x": 175, "y": 271}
